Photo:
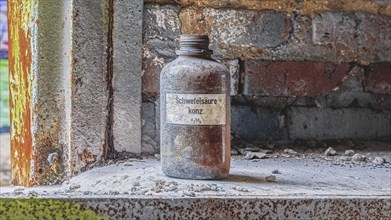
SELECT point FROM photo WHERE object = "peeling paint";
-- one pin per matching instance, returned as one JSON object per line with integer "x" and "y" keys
{"x": 20, "y": 59}
{"x": 36, "y": 91}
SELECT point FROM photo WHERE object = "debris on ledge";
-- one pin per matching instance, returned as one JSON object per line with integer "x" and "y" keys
{"x": 308, "y": 182}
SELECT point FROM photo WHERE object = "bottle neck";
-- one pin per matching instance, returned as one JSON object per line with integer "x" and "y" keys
{"x": 194, "y": 46}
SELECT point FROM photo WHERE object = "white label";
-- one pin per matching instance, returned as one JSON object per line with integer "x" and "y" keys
{"x": 196, "y": 109}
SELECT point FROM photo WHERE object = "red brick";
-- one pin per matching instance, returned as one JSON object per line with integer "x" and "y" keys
{"x": 151, "y": 68}
{"x": 379, "y": 78}
{"x": 288, "y": 78}
{"x": 265, "y": 78}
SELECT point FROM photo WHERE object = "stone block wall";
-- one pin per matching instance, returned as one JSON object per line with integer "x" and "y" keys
{"x": 300, "y": 70}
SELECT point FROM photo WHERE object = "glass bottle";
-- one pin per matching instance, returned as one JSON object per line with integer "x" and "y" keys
{"x": 195, "y": 113}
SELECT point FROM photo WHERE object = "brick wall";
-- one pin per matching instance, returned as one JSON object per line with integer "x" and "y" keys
{"x": 300, "y": 69}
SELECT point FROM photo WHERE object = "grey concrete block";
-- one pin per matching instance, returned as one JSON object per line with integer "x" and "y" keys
{"x": 382, "y": 102}
{"x": 150, "y": 133}
{"x": 126, "y": 82}
{"x": 157, "y": 119}
{"x": 327, "y": 123}
{"x": 50, "y": 103}
{"x": 350, "y": 91}
{"x": 148, "y": 114}
{"x": 257, "y": 124}
{"x": 234, "y": 70}
{"x": 90, "y": 96}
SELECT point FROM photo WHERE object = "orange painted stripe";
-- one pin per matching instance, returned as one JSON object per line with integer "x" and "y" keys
{"x": 20, "y": 89}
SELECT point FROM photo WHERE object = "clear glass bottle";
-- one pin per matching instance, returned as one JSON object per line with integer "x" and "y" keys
{"x": 195, "y": 113}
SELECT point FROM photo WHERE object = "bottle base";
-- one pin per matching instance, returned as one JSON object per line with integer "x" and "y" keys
{"x": 197, "y": 173}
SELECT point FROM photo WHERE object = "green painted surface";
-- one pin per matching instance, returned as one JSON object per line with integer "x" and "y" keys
{"x": 4, "y": 94}
{"x": 44, "y": 209}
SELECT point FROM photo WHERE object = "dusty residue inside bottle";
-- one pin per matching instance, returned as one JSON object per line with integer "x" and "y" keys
{"x": 195, "y": 116}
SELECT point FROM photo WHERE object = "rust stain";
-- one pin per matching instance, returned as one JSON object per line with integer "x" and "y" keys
{"x": 20, "y": 90}
{"x": 87, "y": 157}
{"x": 48, "y": 161}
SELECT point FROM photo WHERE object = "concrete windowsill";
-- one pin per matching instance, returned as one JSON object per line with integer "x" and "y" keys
{"x": 312, "y": 184}
{"x": 297, "y": 176}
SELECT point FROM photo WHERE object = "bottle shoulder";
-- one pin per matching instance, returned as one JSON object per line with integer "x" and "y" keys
{"x": 184, "y": 64}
